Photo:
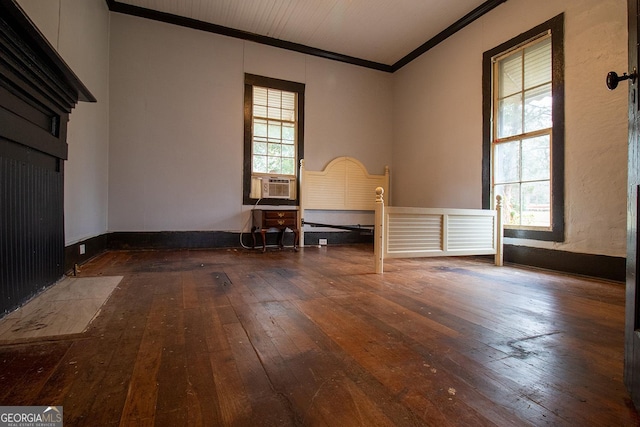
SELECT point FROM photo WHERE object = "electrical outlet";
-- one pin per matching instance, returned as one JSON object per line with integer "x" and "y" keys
{"x": 322, "y": 242}
{"x": 82, "y": 249}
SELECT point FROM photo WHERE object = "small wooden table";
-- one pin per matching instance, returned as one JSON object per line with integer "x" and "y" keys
{"x": 268, "y": 219}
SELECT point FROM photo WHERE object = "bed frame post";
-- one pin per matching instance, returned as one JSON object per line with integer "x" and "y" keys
{"x": 499, "y": 231}
{"x": 378, "y": 231}
{"x": 387, "y": 182}
{"x": 301, "y": 207}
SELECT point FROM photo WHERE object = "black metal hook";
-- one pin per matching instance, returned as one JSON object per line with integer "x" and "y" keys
{"x": 613, "y": 78}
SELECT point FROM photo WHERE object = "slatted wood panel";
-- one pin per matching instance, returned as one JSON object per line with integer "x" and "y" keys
{"x": 421, "y": 232}
{"x": 31, "y": 226}
{"x": 327, "y": 189}
{"x": 411, "y": 234}
{"x": 361, "y": 186}
{"x": 229, "y": 337}
{"x": 471, "y": 233}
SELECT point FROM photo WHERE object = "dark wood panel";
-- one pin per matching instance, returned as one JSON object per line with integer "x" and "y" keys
{"x": 38, "y": 115}
{"x": 32, "y": 227}
{"x": 220, "y": 337}
{"x": 21, "y": 130}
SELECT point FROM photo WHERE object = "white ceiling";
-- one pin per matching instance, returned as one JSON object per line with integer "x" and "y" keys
{"x": 381, "y": 31}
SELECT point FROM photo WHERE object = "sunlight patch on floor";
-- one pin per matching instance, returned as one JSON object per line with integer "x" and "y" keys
{"x": 68, "y": 307}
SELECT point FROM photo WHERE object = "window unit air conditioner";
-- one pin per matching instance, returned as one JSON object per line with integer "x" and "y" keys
{"x": 274, "y": 188}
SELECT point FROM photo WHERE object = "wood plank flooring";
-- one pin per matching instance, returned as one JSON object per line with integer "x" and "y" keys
{"x": 314, "y": 338}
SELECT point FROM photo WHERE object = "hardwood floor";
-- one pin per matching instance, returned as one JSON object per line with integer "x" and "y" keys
{"x": 313, "y": 338}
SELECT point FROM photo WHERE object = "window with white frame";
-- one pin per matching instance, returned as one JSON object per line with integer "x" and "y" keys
{"x": 522, "y": 134}
{"x": 523, "y": 157}
{"x": 273, "y": 146}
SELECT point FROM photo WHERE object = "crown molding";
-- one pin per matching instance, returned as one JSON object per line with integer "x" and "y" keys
{"x": 119, "y": 7}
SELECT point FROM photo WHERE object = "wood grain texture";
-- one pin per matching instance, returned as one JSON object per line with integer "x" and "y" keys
{"x": 240, "y": 337}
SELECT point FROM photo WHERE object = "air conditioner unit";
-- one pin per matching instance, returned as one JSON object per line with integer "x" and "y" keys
{"x": 273, "y": 188}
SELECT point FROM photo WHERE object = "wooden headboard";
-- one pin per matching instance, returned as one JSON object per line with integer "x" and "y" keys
{"x": 344, "y": 185}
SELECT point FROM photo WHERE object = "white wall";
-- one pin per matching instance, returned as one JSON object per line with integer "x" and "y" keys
{"x": 176, "y": 122}
{"x": 438, "y": 119}
{"x": 79, "y": 31}
{"x": 170, "y": 105}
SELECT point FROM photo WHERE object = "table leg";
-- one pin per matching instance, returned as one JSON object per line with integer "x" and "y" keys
{"x": 281, "y": 238}
{"x": 264, "y": 239}
{"x": 253, "y": 235}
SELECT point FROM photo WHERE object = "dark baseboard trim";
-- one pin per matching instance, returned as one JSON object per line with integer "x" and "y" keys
{"x": 599, "y": 266}
{"x": 311, "y": 238}
{"x": 93, "y": 247}
{"x": 192, "y": 240}
{"x": 220, "y": 239}
{"x": 175, "y": 240}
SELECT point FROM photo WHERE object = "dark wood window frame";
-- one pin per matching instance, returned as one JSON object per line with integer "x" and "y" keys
{"x": 251, "y": 80}
{"x": 556, "y": 26}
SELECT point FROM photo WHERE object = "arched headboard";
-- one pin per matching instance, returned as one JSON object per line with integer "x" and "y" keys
{"x": 343, "y": 185}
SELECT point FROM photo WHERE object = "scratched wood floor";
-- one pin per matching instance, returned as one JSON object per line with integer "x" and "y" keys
{"x": 242, "y": 338}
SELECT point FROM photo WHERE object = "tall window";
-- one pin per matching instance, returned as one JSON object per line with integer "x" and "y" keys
{"x": 524, "y": 141}
{"x": 273, "y": 147}
{"x": 522, "y": 134}
{"x": 274, "y": 129}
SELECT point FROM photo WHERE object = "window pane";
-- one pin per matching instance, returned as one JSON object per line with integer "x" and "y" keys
{"x": 536, "y": 204}
{"x": 275, "y": 150}
{"x": 288, "y": 133}
{"x": 288, "y": 115}
{"x": 537, "y": 64}
{"x": 537, "y": 108}
{"x": 275, "y": 165}
{"x": 260, "y": 164}
{"x": 288, "y": 151}
{"x": 274, "y": 113}
{"x": 275, "y": 130}
{"x": 259, "y": 111}
{"x": 536, "y": 158}
{"x": 259, "y": 127}
{"x": 259, "y": 95}
{"x": 510, "y": 116}
{"x": 506, "y": 162}
{"x": 288, "y": 101}
{"x": 510, "y": 202}
{"x": 274, "y": 98}
{"x": 288, "y": 166}
{"x": 259, "y": 147}
{"x": 510, "y": 75}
